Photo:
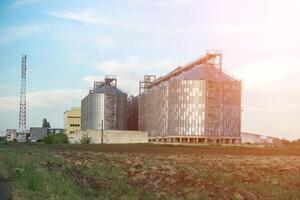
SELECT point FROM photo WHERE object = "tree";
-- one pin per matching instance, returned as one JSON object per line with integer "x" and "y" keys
{"x": 2, "y": 138}
{"x": 46, "y": 124}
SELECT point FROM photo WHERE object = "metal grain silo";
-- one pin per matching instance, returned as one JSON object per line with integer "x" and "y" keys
{"x": 104, "y": 107}
{"x": 195, "y": 103}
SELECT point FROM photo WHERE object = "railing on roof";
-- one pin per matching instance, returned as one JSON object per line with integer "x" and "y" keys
{"x": 231, "y": 75}
{"x": 210, "y": 54}
{"x": 178, "y": 70}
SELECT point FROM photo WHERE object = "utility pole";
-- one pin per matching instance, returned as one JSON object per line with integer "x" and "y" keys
{"x": 22, "y": 111}
{"x": 102, "y": 130}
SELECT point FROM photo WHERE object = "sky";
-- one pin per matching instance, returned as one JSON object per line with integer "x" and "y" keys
{"x": 69, "y": 44}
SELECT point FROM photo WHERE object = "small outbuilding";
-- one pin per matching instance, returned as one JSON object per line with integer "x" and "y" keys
{"x": 39, "y": 133}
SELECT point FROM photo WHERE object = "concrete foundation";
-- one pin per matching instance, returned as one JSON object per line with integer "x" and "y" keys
{"x": 110, "y": 136}
{"x": 195, "y": 140}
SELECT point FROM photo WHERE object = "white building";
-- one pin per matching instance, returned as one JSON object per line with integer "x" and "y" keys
{"x": 253, "y": 138}
{"x": 11, "y": 134}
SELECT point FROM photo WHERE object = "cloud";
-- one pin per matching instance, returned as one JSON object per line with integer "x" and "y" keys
{"x": 49, "y": 104}
{"x": 7, "y": 88}
{"x": 93, "y": 18}
{"x": 18, "y": 32}
{"x": 134, "y": 66}
{"x": 55, "y": 97}
{"x": 166, "y": 5}
{"x": 85, "y": 16}
{"x": 91, "y": 79}
{"x": 130, "y": 71}
{"x": 9, "y": 103}
{"x": 24, "y": 2}
{"x": 44, "y": 99}
{"x": 268, "y": 72}
{"x": 271, "y": 100}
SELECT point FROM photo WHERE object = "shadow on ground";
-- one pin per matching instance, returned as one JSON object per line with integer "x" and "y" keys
{"x": 4, "y": 189}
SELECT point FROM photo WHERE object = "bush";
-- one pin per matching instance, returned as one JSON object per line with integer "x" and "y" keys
{"x": 40, "y": 140}
{"x": 85, "y": 139}
{"x": 3, "y": 140}
{"x": 56, "y": 139}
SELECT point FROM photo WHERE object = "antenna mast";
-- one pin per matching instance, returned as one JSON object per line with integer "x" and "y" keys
{"x": 22, "y": 111}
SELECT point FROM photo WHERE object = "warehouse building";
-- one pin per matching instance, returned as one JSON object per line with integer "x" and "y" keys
{"x": 39, "y": 133}
{"x": 105, "y": 107}
{"x": 254, "y": 138}
{"x": 195, "y": 103}
{"x": 72, "y": 120}
{"x": 251, "y": 138}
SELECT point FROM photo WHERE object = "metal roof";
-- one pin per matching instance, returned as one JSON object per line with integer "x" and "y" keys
{"x": 108, "y": 89}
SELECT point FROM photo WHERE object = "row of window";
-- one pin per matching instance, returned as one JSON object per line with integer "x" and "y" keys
{"x": 75, "y": 125}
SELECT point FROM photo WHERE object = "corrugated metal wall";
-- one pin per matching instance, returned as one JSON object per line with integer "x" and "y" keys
{"x": 179, "y": 107}
{"x": 174, "y": 109}
{"x": 231, "y": 108}
{"x": 92, "y": 111}
{"x": 107, "y": 107}
{"x": 186, "y": 107}
{"x": 121, "y": 112}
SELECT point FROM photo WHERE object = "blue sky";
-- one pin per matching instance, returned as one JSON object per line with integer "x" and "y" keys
{"x": 72, "y": 43}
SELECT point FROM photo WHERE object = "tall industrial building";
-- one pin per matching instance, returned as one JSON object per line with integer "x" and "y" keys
{"x": 72, "y": 120}
{"x": 195, "y": 103}
{"x": 105, "y": 107}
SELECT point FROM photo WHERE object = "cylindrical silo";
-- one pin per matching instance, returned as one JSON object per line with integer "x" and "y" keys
{"x": 104, "y": 107}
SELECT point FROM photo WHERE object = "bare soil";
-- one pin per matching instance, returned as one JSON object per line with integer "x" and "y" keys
{"x": 176, "y": 172}
{"x": 189, "y": 172}
{"x": 183, "y": 149}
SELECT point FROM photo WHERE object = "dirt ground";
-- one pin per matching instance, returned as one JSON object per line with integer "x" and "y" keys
{"x": 178, "y": 172}
{"x": 184, "y": 149}
{"x": 212, "y": 172}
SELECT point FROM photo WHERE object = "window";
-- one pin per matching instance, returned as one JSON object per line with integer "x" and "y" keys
{"x": 75, "y": 125}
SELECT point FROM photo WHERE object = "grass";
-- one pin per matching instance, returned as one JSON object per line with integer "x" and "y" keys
{"x": 30, "y": 180}
{"x": 56, "y": 139}
{"x": 40, "y": 171}
{"x": 40, "y": 174}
